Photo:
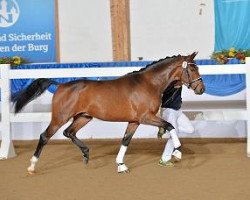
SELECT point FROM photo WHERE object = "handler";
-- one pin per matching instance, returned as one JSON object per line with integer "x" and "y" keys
{"x": 171, "y": 112}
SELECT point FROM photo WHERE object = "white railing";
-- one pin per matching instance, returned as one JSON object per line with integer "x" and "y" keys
{"x": 7, "y": 117}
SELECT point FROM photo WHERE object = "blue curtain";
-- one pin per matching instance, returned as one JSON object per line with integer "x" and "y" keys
{"x": 231, "y": 30}
{"x": 222, "y": 85}
{"x": 232, "y": 27}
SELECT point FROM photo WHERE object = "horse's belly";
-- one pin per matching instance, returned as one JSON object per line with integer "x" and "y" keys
{"x": 117, "y": 112}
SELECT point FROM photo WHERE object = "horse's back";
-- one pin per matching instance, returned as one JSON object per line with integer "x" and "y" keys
{"x": 113, "y": 100}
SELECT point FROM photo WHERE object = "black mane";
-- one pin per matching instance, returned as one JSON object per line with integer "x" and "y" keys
{"x": 155, "y": 63}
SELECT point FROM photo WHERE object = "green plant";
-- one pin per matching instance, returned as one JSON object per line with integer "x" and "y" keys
{"x": 222, "y": 57}
{"x": 13, "y": 61}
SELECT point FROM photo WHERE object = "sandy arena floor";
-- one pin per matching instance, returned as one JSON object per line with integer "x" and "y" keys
{"x": 211, "y": 169}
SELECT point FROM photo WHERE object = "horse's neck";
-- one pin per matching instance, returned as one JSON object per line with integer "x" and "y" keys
{"x": 161, "y": 77}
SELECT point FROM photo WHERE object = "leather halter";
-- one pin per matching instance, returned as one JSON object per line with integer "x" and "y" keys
{"x": 190, "y": 82}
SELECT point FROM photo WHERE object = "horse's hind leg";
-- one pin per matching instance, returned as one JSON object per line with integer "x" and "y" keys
{"x": 131, "y": 128}
{"x": 44, "y": 138}
{"x": 78, "y": 122}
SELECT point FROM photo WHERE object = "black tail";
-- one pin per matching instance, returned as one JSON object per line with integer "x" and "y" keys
{"x": 34, "y": 90}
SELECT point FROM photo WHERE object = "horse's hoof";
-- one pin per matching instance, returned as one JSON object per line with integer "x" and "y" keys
{"x": 124, "y": 172}
{"x": 122, "y": 168}
{"x": 177, "y": 159}
{"x": 177, "y": 154}
{"x": 85, "y": 160}
{"x": 31, "y": 172}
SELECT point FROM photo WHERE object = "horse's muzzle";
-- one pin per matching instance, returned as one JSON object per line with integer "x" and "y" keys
{"x": 199, "y": 91}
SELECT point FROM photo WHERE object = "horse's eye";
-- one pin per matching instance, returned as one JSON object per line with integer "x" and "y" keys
{"x": 192, "y": 69}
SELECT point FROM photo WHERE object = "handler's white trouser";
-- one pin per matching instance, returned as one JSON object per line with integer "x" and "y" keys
{"x": 181, "y": 124}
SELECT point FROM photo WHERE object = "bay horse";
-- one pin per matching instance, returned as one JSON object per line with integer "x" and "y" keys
{"x": 134, "y": 98}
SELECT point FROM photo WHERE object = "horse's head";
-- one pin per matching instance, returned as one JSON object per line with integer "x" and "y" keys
{"x": 190, "y": 75}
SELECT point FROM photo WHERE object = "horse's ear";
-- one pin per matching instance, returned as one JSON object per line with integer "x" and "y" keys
{"x": 192, "y": 56}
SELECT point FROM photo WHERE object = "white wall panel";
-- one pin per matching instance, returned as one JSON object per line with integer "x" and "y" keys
{"x": 168, "y": 27}
{"x": 85, "y": 31}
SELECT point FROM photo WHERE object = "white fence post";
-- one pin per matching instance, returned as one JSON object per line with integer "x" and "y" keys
{"x": 248, "y": 104}
{"x": 7, "y": 149}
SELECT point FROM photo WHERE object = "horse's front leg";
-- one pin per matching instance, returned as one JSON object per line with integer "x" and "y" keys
{"x": 157, "y": 121}
{"x": 131, "y": 128}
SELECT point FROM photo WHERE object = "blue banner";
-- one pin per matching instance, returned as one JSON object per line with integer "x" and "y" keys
{"x": 27, "y": 29}
{"x": 232, "y": 24}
